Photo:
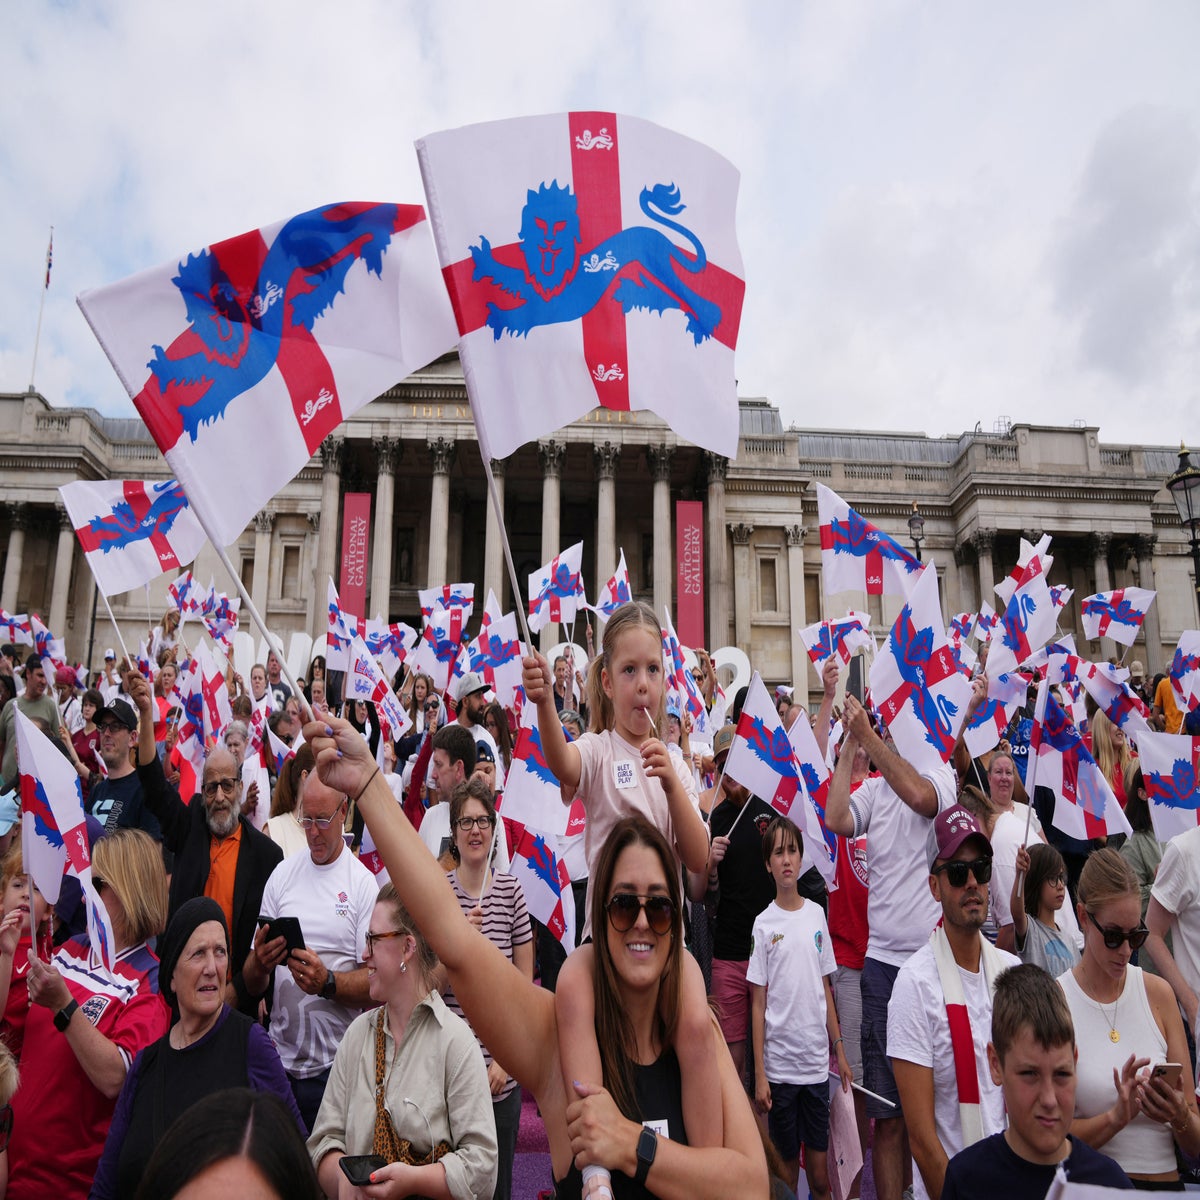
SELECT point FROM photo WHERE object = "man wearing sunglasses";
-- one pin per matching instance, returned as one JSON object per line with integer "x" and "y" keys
{"x": 218, "y": 853}
{"x": 940, "y": 1015}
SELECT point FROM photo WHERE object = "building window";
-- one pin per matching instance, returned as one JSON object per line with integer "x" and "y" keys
{"x": 812, "y": 598}
{"x": 403, "y": 542}
{"x": 248, "y": 572}
{"x": 290, "y": 587}
{"x": 768, "y": 584}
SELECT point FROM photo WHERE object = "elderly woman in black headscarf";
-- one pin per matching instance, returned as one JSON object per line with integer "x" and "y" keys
{"x": 209, "y": 1046}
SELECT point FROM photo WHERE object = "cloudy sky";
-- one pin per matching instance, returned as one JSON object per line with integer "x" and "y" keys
{"x": 949, "y": 213}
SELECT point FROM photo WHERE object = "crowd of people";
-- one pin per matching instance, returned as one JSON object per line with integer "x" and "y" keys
{"x": 974, "y": 999}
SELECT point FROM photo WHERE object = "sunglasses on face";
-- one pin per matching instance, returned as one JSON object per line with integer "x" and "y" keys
{"x": 1114, "y": 937}
{"x": 624, "y": 907}
{"x": 956, "y": 872}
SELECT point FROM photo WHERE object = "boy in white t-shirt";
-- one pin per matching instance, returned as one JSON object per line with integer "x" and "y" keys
{"x": 793, "y": 1021}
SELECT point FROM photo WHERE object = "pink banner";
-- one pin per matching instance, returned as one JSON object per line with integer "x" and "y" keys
{"x": 356, "y": 545}
{"x": 689, "y": 572}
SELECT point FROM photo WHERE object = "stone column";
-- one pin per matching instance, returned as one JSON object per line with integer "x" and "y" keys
{"x": 264, "y": 521}
{"x": 387, "y": 455}
{"x": 442, "y": 450}
{"x": 331, "y": 494}
{"x": 741, "y": 584}
{"x": 1098, "y": 546}
{"x": 606, "y": 455}
{"x": 796, "y": 614}
{"x": 718, "y": 560}
{"x": 551, "y": 454}
{"x": 664, "y": 547}
{"x": 18, "y": 518}
{"x": 494, "y": 573}
{"x": 984, "y": 540}
{"x": 61, "y": 592}
{"x": 1143, "y": 549}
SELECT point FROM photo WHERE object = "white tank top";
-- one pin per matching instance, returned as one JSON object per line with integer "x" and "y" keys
{"x": 1143, "y": 1147}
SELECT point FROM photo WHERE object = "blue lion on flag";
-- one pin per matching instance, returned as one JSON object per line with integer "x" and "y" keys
{"x": 1177, "y": 790}
{"x": 1123, "y": 612}
{"x": 913, "y": 651}
{"x": 122, "y": 527}
{"x": 529, "y": 751}
{"x": 233, "y": 336}
{"x": 772, "y": 748}
{"x": 858, "y": 537}
{"x": 548, "y": 288}
{"x": 543, "y": 863}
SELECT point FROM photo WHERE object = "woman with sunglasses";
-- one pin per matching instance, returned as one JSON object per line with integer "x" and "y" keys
{"x": 1126, "y": 1021}
{"x": 408, "y": 1082}
{"x": 85, "y": 1027}
{"x": 504, "y": 920}
{"x": 636, "y": 916}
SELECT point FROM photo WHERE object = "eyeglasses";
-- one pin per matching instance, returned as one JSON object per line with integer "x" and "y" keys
{"x": 112, "y": 727}
{"x": 1114, "y": 937}
{"x": 1055, "y": 879}
{"x": 624, "y": 907}
{"x": 228, "y": 786}
{"x": 6, "y": 1125}
{"x": 956, "y": 872}
{"x": 466, "y": 824}
{"x": 372, "y": 938}
{"x": 307, "y": 823}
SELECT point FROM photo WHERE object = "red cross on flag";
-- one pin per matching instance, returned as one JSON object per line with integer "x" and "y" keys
{"x": 132, "y": 530}
{"x": 598, "y": 265}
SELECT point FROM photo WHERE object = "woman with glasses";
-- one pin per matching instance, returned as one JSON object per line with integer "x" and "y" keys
{"x": 638, "y": 928}
{"x": 85, "y": 1026}
{"x": 1125, "y": 1023}
{"x": 408, "y": 1082}
{"x": 503, "y": 919}
{"x": 209, "y": 1047}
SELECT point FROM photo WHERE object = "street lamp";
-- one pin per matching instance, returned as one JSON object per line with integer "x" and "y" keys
{"x": 916, "y": 526}
{"x": 1184, "y": 486}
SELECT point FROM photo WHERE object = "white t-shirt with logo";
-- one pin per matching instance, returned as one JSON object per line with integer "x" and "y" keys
{"x": 790, "y": 955}
{"x": 333, "y": 903}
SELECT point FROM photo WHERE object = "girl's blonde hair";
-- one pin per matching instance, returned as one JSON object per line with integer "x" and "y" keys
{"x": 635, "y": 615}
{"x": 1111, "y": 757}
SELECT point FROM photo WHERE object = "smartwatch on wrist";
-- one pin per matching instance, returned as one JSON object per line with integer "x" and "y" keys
{"x": 329, "y": 987}
{"x": 646, "y": 1149}
{"x": 62, "y": 1018}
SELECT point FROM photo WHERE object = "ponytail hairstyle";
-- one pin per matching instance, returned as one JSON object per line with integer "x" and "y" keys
{"x": 634, "y": 615}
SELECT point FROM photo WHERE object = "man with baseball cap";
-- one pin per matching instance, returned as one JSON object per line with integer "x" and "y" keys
{"x": 940, "y": 1015}
{"x": 471, "y": 697}
{"x": 117, "y": 801}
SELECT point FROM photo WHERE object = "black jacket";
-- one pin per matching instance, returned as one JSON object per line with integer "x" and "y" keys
{"x": 185, "y": 831}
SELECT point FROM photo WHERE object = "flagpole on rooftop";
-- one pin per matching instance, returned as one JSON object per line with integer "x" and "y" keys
{"x": 37, "y": 337}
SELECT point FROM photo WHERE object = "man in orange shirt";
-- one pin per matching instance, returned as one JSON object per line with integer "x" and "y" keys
{"x": 218, "y": 853}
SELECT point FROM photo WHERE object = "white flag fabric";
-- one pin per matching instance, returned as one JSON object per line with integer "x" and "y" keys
{"x": 556, "y": 591}
{"x": 271, "y": 339}
{"x": 857, "y": 556}
{"x": 1118, "y": 614}
{"x": 598, "y": 266}
{"x": 1171, "y": 775}
{"x": 132, "y": 530}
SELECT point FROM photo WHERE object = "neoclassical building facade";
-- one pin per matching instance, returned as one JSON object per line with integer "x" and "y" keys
{"x": 612, "y": 480}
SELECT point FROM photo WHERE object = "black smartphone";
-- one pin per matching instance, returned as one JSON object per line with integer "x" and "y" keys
{"x": 288, "y": 927}
{"x": 358, "y": 1167}
{"x": 855, "y": 684}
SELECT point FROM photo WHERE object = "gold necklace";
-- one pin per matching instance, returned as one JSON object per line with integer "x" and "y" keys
{"x": 1113, "y": 1035}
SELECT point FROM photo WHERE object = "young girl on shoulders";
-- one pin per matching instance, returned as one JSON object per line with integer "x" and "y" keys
{"x": 619, "y": 768}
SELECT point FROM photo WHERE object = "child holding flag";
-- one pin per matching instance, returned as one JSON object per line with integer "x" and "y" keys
{"x": 619, "y": 768}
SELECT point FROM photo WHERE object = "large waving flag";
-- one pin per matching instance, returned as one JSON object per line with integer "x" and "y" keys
{"x": 272, "y": 338}
{"x": 1184, "y": 670}
{"x": 132, "y": 530}
{"x": 1117, "y": 700}
{"x": 531, "y": 790}
{"x": 435, "y": 653}
{"x": 1029, "y": 620}
{"x": 857, "y": 556}
{"x": 1008, "y": 585}
{"x": 1171, "y": 775}
{"x": 1117, "y": 615}
{"x": 614, "y": 593}
{"x": 819, "y": 844}
{"x": 218, "y": 711}
{"x": 599, "y": 266}
{"x": 841, "y": 636}
{"x": 450, "y": 597}
{"x": 545, "y": 882}
{"x": 556, "y": 591}
{"x": 761, "y": 756}
{"x": 53, "y": 830}
{"x": 365, "y": 681}
{"x": 1085, "y": 806}
{"x": 15, "y": 628}
{"x": 921, "y": 694}
{"x": 496, "y": 655}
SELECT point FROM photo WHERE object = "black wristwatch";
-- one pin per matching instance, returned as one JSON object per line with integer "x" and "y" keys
{"x": 62, "y": 1018}
{"x": 647, "y": 1148}
{"x": 329, "y": 987}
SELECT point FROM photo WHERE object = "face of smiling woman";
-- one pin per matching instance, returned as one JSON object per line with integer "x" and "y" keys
{"x": 639, "y": 955}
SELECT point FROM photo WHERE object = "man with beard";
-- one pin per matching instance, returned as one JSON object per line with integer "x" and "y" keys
{"x": 940, "y": 1014}
{"x": 471, "y": 698}
{"x": 218, "y": 853}
{"x": 322, "y": 987}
